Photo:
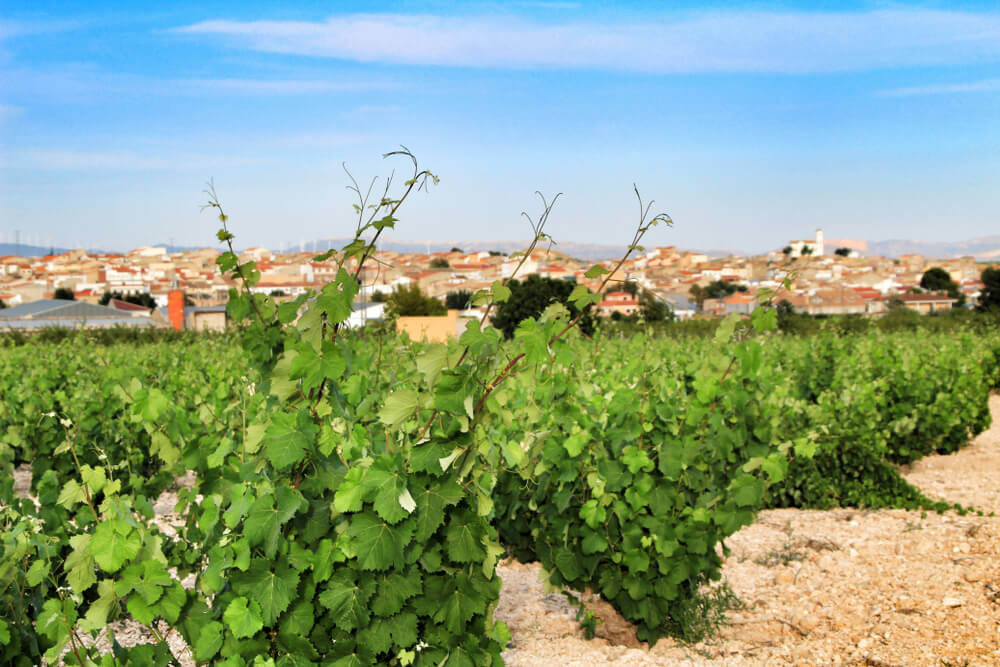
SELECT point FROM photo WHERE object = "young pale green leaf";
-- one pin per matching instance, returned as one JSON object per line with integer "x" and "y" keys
{"x": 243, "y": 617}
{"x": 288, "y": 438}
{"x": 209, "y": 641}
{"x": 776, "y": 467}
{"x": 399, "y": 406}
{"x": 37, "y": 572}
{"x": 501, "y": 293}
{"x": 79, "y": 564}
{"x": 114, "y": 542}
{"x": 351, "y": 491}
{"x": 596, "y": 271}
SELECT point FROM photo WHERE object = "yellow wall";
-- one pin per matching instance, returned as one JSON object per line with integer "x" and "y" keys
{"x": 435, "y": 329}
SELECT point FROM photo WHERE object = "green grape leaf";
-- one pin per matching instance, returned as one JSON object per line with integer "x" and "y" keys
{"x": 273, "y": 589}
{"x": 393, "y": 591}
{"x": 113, "y": 543}
{"x": 379, "y": 545}
{"x": 347, "y": 600}
{"x": 264, "y": 523}
{"x": 398, "y": 407}
{"x": 79, "y": 564}
{"x": 501, "y": 293}
{"x": 431, "y": 502}
{"x": 243, "y": 617}
{"x": 463, "y": 538}
{"x": 288, "y": 438}
{"x": 209, "y": 641}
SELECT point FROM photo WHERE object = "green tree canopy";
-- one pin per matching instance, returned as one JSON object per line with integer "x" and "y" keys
{"x": 439, "y": 263}
{"x": 989, "y": 298}
{"x": 144, "y": 299}
{"x": 697, "y": 293}
{"x": 409, "y": 301}
{"x": 458, "y": 300}
{"x": 936, "y": 279}
{"x": 530, "y": 297}
{"x": 64, "y": 293}
{"x": 628, "y": 286}
{"x": 653, "y": 309}
{"x": 720, "y": 289}
{"x": 842, "y": 252}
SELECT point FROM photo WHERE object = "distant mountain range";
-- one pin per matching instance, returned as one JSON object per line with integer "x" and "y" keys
{"x": 25, "y": 250}
{"x": 983, "y": 248}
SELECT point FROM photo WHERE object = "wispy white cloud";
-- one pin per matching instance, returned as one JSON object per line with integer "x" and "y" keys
{"x": 277, "y": 87}
{"x": 982, "y": 86}
{"x": 74, "y": 160}
{"x": 82, "y": 82}
{"x": 16, "y": 28}
{"x": 316, "y": 140}
{"x": 718, "y": 41}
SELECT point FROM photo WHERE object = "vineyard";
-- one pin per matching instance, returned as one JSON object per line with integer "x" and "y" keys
{"x": 350, "y": 494}
{"x": 613, "y": 462}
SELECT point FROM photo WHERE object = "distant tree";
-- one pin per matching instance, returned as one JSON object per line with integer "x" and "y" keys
{"x": 379, "y": 297}
{"x": 628, "y": 286}
{"x": 654, "y": 310}
{"x": 787, "y": 250}
{"x": 936, "y": 279}
{"x": 915, "y": 290}
{"x": 2, "y": 304}
{"x": 144, "y": 299}
{"x": 530, "y": 297}
{"x": 784, "y": 307}
{"x": 439, "y": 263}
{"x": 842, "y": 252}
{"x": 458, "y": 300}
{"x": 497, "y": 253}
{"x": 720, "y": 289}
{"x": 454, "y": 249}
{"x": 989, "y": 297}
{"x": 64, "y": 293}
{"x": 807, "y": 250}
{"x": 697, "y": 293}
{"x": 410, "y": 301}
{"x": 895, "y": 304}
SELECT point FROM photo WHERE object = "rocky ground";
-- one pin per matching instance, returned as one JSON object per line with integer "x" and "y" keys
{"x": 843, "y": 587}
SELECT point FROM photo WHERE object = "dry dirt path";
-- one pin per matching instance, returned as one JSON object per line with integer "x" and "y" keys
{"x": 844, "y": 587}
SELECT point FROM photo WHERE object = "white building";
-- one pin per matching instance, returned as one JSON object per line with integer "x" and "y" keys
{"x": 815, "y": 245}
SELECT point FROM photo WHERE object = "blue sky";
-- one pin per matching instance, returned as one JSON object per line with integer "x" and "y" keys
{"x": 749, "y": 123}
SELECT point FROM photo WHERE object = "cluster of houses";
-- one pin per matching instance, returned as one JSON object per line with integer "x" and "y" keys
{"x": 189, "y": 291}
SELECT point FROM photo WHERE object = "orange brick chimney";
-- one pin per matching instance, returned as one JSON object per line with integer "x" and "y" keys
{"x": 175, "y": 308}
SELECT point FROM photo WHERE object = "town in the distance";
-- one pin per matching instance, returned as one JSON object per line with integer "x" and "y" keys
{"x": 150, "y": 286}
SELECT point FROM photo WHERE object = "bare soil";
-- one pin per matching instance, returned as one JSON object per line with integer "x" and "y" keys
{"x": 844, "y": 587}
